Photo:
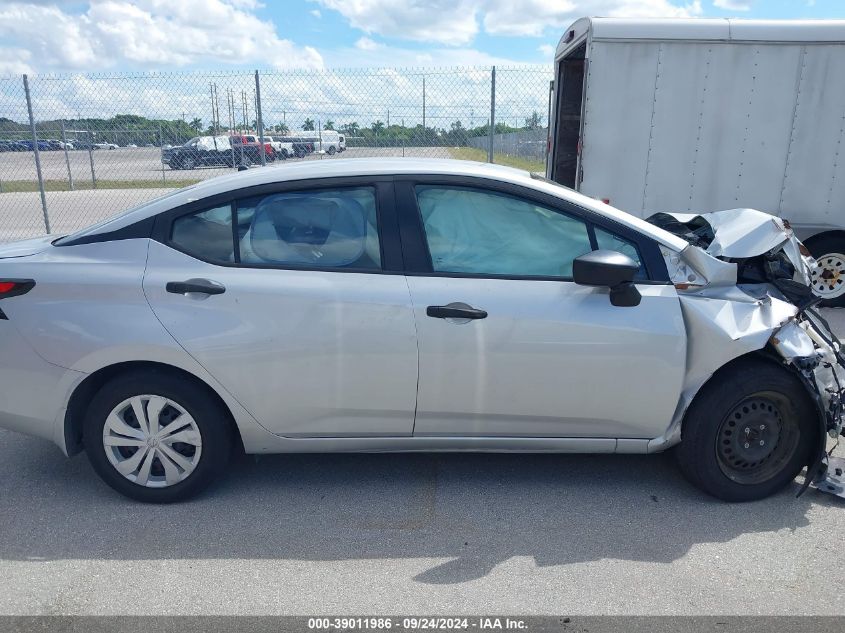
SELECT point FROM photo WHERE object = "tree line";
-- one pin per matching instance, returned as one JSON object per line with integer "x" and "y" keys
{"x": 125, "y": 129}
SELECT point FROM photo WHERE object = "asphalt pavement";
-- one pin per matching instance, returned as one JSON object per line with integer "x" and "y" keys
{"x": 396, "y": 534}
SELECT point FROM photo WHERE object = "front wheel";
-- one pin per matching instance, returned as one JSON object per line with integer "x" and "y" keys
{"x": 748, "y": 433}
{"x": 331, "y": 150}
{"x": 156, "y": 437}
{"x": 829, "y": 276}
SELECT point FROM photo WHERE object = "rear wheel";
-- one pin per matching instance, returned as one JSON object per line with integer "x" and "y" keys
{"x": 156, "y": 437}
{"x": 331, "y": 150}
{"x": 829, "y": 277}
{"x": 748, "y": 433}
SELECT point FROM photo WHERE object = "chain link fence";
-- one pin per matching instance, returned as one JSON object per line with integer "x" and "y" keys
{"x": 75, "y": 149}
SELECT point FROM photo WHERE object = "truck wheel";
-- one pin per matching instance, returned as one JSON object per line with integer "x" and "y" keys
{"x": 829, "y": 278}
{"x": 331, "y": 150}
{"x": 748, "y": 432}
{"x": 283, "y": 155}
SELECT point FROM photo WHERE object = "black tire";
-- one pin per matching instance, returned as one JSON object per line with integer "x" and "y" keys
{"x": 823, "y": 247}
{"x": 189, "y": 163}
{"x": 717, "y": 453}
{"x": 331, "y": 150}
{"x": 283, "y": 155}
{"x": 195, "y": 398}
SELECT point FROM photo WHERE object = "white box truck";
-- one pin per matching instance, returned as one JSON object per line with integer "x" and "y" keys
{"x": 699, "y": 115}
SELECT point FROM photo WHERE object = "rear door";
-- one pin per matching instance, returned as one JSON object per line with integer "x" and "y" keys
{"x": 509, "y": 344}
{"x": 293, "y": 298}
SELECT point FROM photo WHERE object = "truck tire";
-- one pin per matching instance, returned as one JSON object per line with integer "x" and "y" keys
{"x": 331, "y": 150}
{"x": 748, "y": 432}
{"x": 829, "y": 280}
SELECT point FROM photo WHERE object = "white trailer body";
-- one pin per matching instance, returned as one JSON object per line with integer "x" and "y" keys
{"x": 699, "y": 115}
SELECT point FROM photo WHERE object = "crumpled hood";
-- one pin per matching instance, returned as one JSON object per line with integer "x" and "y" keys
{"x": 734, "y": 235}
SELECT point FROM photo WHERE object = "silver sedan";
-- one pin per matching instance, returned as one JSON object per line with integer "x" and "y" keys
{"x": 416, "y": 305}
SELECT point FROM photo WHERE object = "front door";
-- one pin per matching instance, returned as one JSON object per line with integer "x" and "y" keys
{"x": 511, "y": 346}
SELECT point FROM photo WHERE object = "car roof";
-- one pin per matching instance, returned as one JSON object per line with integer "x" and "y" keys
{"x": 375, "y": 166}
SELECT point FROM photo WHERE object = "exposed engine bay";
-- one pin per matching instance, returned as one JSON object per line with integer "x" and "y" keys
{"x": 745, "y": 279}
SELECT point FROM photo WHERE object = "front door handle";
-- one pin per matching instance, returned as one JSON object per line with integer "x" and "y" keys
{"x": 453, "y": 311}
{"x": 199, "y": 286}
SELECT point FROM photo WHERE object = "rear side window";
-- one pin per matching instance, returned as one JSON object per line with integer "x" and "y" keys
{"x": 206, "y": 234}
{"x": 320, "y": 229}
{"x": 329, "y": 228}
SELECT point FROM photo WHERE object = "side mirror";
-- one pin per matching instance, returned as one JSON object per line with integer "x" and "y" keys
{"x": 609, "y": 269}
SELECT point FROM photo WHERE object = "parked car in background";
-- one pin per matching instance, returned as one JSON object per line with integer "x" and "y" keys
{"x": 28, "y": 146}
{"x": 686, "y": 115}
{"x": 248, "y": 149}
{"x": 201, "y": 151}
{"x": 56, "y": 144}
{"x": 274, "y": 310}
{"x": 302, "y": 145}
{"x": 106, "y": 146}
{"x": 282, "y": 146}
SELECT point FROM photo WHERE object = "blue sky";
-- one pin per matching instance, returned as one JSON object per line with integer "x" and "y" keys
{"x": 145, "y": 35}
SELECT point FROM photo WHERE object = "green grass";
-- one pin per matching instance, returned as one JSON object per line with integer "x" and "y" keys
{"x": 13, "y": 186}
{"x": 472, "y": 153}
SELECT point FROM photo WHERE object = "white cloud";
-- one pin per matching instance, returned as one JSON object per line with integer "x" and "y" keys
{"x": 546, "y": 50}
{"x": 733, "y": 5}
{"x": 316, "y": 13}
{"x": 450, "y": 22}
{"x": 366, "y": 44}
{"x": 456, "y": 22}
{"x": 147, "y": 33}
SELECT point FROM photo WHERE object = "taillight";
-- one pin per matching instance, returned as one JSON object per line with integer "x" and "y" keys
{"x": 15, "y": 287}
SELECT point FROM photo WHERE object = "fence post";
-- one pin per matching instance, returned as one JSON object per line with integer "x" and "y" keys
{"x": 67, "y": 157}
{"x": 37, "y": 154}
{"x": 549, "y": 125}
{"x": 91, "y": 157}
{"x": 492, "y": 114}
{"x": 425, "y": 134}
{"x": 258, "y": 120}
{"x": 161, "y": 154}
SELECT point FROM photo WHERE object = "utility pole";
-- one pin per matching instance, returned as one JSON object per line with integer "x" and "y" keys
{"x": 245, "y": 110}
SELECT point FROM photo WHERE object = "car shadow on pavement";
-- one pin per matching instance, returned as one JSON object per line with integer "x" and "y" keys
{"x": 473, "y": 510}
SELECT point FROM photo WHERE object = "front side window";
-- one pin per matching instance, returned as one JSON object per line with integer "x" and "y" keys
{"x": 484, "y": 232}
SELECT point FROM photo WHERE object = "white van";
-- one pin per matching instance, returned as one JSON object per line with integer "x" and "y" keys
{"x": 326, "y": 141}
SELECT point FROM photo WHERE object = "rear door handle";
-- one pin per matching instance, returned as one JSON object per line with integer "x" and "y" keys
{"x": 199, "y": 286}
{"x": 455, "y": 311}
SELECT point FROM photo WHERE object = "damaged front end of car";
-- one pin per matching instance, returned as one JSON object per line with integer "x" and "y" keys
{"x": 744, "y": 285}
